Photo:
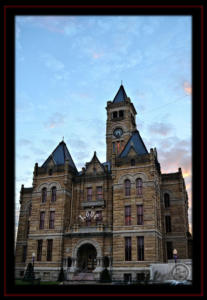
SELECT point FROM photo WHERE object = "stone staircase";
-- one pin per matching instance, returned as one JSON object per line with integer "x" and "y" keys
{"x": 83, "y": 276}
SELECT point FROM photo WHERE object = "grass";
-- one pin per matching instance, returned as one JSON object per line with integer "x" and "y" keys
{"x": 22, "y": 282}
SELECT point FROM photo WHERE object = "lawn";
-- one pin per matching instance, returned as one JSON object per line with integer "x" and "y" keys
{"x": 22, "y": 282}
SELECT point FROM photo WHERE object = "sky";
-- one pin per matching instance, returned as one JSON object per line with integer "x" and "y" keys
{"x": 68, "y": 67}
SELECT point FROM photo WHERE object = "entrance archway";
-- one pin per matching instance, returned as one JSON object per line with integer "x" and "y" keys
{"x": 86, "y": 258}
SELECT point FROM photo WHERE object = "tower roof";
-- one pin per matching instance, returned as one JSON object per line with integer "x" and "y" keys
{"x": 120, "y": 95}
{"x": 136, "y": 143}
{"x": 60, "y": 155}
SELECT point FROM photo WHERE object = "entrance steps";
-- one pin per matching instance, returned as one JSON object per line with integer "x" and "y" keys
{"x": 87, "y": 276}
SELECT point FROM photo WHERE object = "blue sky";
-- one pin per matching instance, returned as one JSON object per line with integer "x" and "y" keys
{"x": 68, "y": 67}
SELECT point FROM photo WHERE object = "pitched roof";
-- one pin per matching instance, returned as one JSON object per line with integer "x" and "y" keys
{"x": 120, "y": 95}
{"x": 94, "y": 160}
{"x": 107, "y": 163}
{"x": 59, "y": 156}
{"x": 136, "y": 143}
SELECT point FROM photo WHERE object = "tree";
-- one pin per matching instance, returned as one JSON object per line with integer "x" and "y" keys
{"x": 29, "y": 274}
{"x": 61, "y": 276}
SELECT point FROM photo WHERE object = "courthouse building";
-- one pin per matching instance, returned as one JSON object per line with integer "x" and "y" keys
{"x": 122, "y": 214}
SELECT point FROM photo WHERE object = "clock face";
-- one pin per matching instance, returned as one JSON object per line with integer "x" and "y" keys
{"x": 118, "y": 132}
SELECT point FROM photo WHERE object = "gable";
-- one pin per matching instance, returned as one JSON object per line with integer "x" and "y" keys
{"x": 135, "y": 146}
{"x": 94, "y": 166}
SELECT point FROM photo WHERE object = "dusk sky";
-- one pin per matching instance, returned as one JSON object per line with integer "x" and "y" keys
{"x": 67, "y": 68}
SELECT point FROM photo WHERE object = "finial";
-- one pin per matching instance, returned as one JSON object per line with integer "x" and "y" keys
{"x": 121, "y": 82}
{"x": 63, "y": 138}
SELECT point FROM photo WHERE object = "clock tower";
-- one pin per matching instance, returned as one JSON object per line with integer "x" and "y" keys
{"x": 121, "y": 123}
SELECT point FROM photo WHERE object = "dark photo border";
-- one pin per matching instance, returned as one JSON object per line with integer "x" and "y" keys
{"x": 8, "y": 13}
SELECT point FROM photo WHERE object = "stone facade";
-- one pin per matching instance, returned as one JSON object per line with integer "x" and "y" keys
{"x": 79, "y": 220}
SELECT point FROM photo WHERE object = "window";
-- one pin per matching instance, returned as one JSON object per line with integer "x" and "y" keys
{"x": 44, "y": 195}
{"x": 132, "y": 162}
{"x": 98, "y": 217}
{"x": 49, "y": 250}
{"x": 28, "y": 226}
{"x": 169, "y": 250}
{"x": 127, "y": 277}
{"x": 121, "y": 114}
{"x": 39, "y": 250}
{"x": 24, "y": 253}
{"x": 140, "y": 215}
{"x": 114, "y": 114}
{"x": 114, "y": 147}
{"x": 52, "y": 220}
{"x": 30, "y": 210}
{"x": 128, "y": 254}
{"x": 42, "y": 219}
{"x": 128, "y": 215}
{"x": 167, "y": 200}
{"x": 99, "y": 193}
{"x": 50, "y": 172}
{"x": 127, "y": 187}
{"x": 54, "y": 189}
{"x": 140, "y": 248}
{"x": 139, "y": 186}
{"x": 89, "y": 194}
{"x": 168, "y": 223}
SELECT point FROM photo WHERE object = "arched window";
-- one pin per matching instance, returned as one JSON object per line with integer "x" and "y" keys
{"x": 167, "y": 200}
{"x": 53, "y": 198}
{"x": 44, "y": 195}
{"x": 139, "y": 186}
{"x": 127, "y": 187}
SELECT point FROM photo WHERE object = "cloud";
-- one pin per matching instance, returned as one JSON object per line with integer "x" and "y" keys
{"x": 160, "y": 128}
{"x": 57, "y": 68}
{"x": 24, "y": 142}
{"x": 48, "y": 142}
{"x": 36, "y": 150}
{"x": 187, "y": 87}
{"x": 56, "y": 120}
{"x": 77, "y": 143}
{"x": 175, "y": 157}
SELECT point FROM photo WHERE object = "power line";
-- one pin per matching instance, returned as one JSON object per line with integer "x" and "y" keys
{"x": 165, "y": 104}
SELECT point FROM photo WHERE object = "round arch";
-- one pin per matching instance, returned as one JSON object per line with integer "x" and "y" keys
{"x": 88, "y": 241}
{"x": 143, "y": 176}
{"x": 124, "y": 177}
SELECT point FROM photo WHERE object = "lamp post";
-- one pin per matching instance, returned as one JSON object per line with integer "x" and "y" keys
{"x": 175, "y": 252}
{"x": 33, "y": 259}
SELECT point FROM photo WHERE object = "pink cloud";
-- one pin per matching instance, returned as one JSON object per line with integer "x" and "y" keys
{"x": 179, "y": 156}
{"x": 187, "y": 87}
{"x": 160, "y": 128}
{"x": 97, "y": 55}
